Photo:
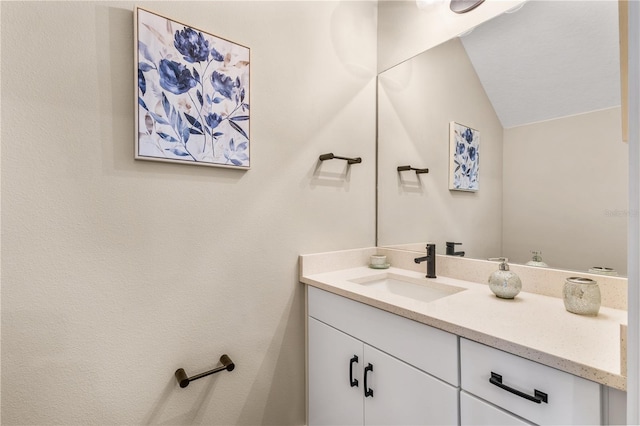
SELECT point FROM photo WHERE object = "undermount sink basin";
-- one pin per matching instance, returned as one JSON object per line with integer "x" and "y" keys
{"x": 426, "y": 290}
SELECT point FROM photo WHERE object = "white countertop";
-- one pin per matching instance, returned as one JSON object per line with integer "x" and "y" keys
{"x": 533, "y": 326}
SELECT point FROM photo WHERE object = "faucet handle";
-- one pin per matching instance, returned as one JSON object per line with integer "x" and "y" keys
{"x": 451, "y": 244}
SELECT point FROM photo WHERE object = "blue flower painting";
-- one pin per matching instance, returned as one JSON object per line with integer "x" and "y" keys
{"x": 465, "y": 157}
{"x": 193, "y": 95}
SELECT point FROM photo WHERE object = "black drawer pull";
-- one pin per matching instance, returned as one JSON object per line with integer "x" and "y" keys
{"x": 367, "y": 391}
{"x": 496, "y": 379}
{"x": 354, "y": 382}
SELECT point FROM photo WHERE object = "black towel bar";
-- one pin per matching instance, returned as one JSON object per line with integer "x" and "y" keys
{"x": 330, "y": 156}
{"x": 184, "y": 380}
{"x": 406, "y": 168}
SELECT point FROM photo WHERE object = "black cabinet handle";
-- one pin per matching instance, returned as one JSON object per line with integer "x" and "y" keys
{"x": 354, "y": 382}
{"x": 496, "y": 379}
{"x": 367, "y": 391}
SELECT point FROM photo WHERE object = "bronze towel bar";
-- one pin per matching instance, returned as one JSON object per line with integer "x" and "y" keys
{"x": 184, "y": 380}
{"x": 406, "y": 168}
{"x": 330, "y": 156}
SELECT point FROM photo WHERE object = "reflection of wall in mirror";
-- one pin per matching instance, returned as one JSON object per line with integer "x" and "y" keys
{"x": 555, "y": 200}
{"x": 417, "y": 101}
{"x": 564, "y": 182}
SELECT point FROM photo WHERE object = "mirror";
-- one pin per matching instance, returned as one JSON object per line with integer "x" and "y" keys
{"x": 541, "y": 86}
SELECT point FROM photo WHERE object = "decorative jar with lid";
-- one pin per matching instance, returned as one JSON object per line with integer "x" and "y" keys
{"x": 581, "y": 296}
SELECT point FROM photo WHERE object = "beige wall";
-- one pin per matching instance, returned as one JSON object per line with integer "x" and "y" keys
{"x": 117, "y": 272}
{"x": 417, "y": 100}
{"x": 565, "y": 192}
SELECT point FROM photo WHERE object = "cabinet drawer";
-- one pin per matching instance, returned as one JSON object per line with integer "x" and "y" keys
{"x": 476, "y": 412}
{"x": 426, "y": 348}
{"x": 570, "y": 399}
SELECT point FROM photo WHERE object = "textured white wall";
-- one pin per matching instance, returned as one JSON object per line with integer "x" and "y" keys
{"x": 116, "y": 272}
{"x": 417, "y": 100}
{"x": 566, "y": 192}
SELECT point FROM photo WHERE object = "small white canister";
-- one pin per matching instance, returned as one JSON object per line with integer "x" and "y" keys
{"x": 581, "y": 296}
{"x": 378, "y": 262}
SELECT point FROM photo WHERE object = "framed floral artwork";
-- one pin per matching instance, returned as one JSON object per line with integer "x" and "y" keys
{"x": 464, "y": 157}
{"x": 192, "y": 95}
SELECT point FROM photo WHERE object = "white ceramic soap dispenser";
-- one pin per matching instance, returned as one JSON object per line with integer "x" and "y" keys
{"x": 504, "y": 283}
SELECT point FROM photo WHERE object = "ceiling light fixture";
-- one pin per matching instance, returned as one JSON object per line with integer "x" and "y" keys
{"x": 464, "y": 6}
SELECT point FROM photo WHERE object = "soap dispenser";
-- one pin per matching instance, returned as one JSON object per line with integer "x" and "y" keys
{"x": 537, "y": 260}
{"x": 504, "y": 283}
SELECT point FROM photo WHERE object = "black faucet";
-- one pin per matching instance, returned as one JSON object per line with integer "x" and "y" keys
{"x": 431, "y": 260}
{"x": 451, "y": 249}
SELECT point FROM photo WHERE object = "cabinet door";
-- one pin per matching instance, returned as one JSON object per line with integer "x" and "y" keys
{"x": 332, "y": 398}
{"x": 429, "y": 349}
{"x": 404, "y": 395}
{"x": 476, "y": 412}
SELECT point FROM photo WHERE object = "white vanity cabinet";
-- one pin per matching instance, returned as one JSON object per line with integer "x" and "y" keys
{"x": 531, "y": 391}
{"x": 368, "y": 366}
{"x": 353, "y": 383}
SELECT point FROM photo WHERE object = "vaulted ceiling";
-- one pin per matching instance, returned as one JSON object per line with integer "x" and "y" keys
{"x": 549, "y": 59}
